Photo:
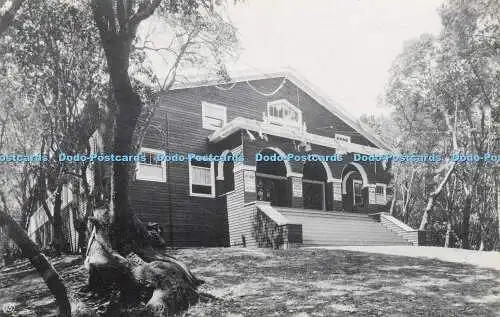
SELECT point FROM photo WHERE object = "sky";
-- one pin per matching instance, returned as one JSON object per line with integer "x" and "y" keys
{"x": 344, "y": 47}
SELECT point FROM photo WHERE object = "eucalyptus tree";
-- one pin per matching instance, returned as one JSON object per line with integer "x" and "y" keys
{"x": 421, "y": 112}
{"x": 62, "y": 87}
{"x": 119, "y": 234}
{"x": 65, "y": 87}
{"x": 445, "y": 88}
{"x": 471, "y": 38}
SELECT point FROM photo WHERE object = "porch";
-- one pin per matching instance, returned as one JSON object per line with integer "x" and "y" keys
{"x": 331, "y": 197}
{"x": 328, "y": 179}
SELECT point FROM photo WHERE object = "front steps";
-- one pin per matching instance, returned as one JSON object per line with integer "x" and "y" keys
{"x": 340, "y": 228}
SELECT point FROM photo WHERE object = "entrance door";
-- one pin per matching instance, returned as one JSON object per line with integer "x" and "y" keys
{"x": 313, "y": 194}
{"x": 357, "y": 193}
{"x": 272, "y": 188}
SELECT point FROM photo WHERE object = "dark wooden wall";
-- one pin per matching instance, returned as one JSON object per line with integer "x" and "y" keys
{"x": 199, "y": 221}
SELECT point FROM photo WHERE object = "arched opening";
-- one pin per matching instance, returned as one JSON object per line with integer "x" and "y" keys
{"x": 314, "y": 185}
{"x": 225, "y": 172}
{"x": 271, "y": 178}
{"x": 354, "y": 182}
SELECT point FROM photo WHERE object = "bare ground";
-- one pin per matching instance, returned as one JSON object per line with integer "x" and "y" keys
{"x": 298, "y": 282}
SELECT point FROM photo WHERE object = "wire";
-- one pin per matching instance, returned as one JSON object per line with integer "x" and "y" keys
{"x": 271, "y": 93}
{"x": 225, "y": 89}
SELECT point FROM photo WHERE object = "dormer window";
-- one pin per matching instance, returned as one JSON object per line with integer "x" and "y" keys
{"x": 283, "y": 113}
{"x": 343, "y": 138}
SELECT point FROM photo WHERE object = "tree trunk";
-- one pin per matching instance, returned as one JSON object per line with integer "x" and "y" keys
{"x": 39, "y": 261}
{"x": 393, "y": 203}
{"x": 7, "y": 18}
{"x": 82, "y": 237}
{"x": 466, "y": 221}
{"x": 118, "y": 233}
{"x": 432, "y": 197}
{"x": 128, "y": 111}
{"x": 80, "y": 224}
{"x": 59, "y": 241}
{"x": 497, "y": 187}
{"x": 404, "y": 210}
{"x": 448, "y": 235}
{"x": 482, "y": 245}
{"x": 87, "y": 199}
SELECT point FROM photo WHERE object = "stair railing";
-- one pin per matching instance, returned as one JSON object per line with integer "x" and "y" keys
{"x": 272, "y": 230}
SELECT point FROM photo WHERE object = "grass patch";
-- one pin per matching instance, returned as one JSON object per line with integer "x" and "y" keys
{"x": 298, "y": 282}
{"x": 308, "y": 282}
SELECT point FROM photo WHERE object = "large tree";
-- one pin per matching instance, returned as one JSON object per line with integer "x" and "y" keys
{"x": 14, "y": 230}
{"x": 62, "y": 88}
{"x": 119, "y": 234}
{"x": 119, "y": 237}
{"x": 444, "y": 90}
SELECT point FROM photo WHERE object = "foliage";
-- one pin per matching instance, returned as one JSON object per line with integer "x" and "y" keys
{"x": 444, "y": 95}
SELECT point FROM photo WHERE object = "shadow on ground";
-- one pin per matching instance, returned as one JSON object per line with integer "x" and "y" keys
{"x": 299, "y": 282}
{"x": 339, "y": 283}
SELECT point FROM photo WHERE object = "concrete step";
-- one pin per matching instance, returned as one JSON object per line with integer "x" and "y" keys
{"x": 340, "y": 228}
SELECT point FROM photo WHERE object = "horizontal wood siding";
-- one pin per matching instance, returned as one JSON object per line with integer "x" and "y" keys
{"x": 187, "y": 220}
{"x": 243, "y": 101}
{"x": 177, "y": 128}
{"x": 240, "y": 216}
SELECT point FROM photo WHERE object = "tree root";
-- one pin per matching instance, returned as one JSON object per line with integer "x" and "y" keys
{"x": 147, "y": 277}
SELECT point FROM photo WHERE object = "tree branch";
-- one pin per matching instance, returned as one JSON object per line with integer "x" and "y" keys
{"x": 37, "y": 259}
{"x": 146, "y": 9}
{"x": 7, "y": 18}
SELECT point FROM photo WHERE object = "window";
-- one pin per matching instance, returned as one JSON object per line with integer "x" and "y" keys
{"x": 282, "y": 112}
{"x": 201, "y": 178}
{"x": 343, "y": 138}
{"x": 213, "y": 116}
{"x": 151, "y": 169}
{"x": 151, "y": 158}
{"x": 380, "y": 194}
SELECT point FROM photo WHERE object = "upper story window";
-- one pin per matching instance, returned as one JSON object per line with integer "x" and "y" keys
{"x": 152, "y": 169}
{"x": 213, "y": 116}
{"x": 381, "y": 194}
{"x": 201, "y": 178}
{"x": 343, "y": 138}
{"x": 284, "y": 113}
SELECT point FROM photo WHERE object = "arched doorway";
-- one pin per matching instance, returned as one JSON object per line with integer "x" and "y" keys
{"x": 271, "y": 178}
{"x": 314, "y": 185}
{"x": 354, "y": 181}
{"x": 225, "y": 172}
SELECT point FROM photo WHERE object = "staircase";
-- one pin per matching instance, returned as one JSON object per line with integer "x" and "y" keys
{"x": 340, "y": 228}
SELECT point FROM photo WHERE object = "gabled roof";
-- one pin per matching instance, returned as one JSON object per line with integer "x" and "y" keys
{"x": 302, "y": 83}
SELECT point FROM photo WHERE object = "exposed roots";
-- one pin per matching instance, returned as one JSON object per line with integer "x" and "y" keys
{"x": 146, "y": 277}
